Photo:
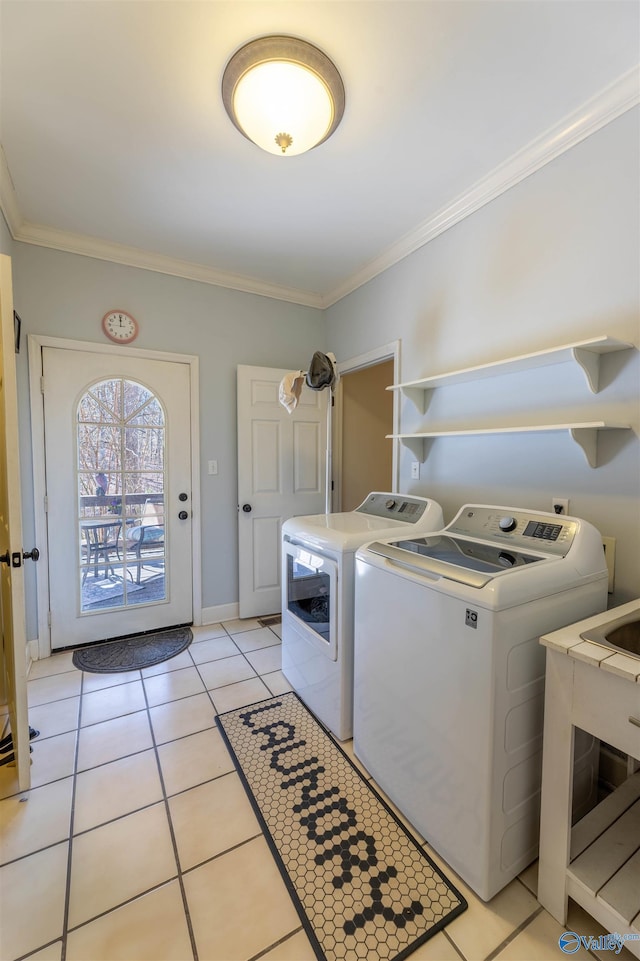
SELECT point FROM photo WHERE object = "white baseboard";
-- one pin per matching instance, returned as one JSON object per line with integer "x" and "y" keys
{"x": 208, "y": 615}
{"x": 33, "y": 653}
{"x": 222, "y": 612}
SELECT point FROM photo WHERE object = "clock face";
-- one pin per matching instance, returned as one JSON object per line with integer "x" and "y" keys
{"x": 120, "y": 327}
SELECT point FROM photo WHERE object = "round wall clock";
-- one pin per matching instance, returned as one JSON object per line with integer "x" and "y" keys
{"x": 119, "y": 326}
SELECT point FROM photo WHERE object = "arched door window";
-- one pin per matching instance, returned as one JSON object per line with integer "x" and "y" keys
{"x": 121, "y": 490}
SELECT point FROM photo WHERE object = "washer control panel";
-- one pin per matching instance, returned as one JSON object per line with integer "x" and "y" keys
{"x": 524, "y": 529}
{"x": 401, "y": 507}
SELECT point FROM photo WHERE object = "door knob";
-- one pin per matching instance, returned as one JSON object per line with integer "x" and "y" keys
{"x": 246, "y": 508}
{"x": 32, "y": 555}
{"x": 183, "y": 515}
{"x": 5, "y": 558}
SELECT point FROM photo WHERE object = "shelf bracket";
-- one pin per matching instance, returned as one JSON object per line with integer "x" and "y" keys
{"x": 418, "y": 397}
{"x": 418, "y": 446}
{"x": 587, "y": 439}
{"x": 590, "y": 363}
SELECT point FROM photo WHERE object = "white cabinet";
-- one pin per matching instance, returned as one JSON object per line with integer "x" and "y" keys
{"x": 597, "y": 862}
{"x": 586, "y": 354}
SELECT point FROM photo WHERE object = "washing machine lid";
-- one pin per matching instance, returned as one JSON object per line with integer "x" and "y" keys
{"x": 460, "y": 560}
{"x": 379, "y": 515}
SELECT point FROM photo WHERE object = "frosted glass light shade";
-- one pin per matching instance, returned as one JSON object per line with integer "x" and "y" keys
{"x": 283, "y": 94}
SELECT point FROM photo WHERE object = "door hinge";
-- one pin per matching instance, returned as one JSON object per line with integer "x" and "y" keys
{"x": 48, "y": 618}
{"x": 42, "y": 385}
{"x": 46, "y": 504}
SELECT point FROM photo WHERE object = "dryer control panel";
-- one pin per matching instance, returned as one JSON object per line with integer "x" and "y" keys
{"x": 547, "y": 533}
{"x": 400, "y": 507}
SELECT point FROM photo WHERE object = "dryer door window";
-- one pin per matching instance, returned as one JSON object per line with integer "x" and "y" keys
{"x": 310, "y": 591}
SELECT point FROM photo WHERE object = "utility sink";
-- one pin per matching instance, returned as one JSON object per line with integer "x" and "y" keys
{"x": 621, "y": 634}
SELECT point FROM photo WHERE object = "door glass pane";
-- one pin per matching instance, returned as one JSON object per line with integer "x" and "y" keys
{"x": 121, "y": 490}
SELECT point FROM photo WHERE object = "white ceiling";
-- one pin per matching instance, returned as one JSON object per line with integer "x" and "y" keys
{"x": 117, "y": 143}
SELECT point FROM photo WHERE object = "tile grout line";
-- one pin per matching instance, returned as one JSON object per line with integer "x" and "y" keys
{"x": 75, "y": 772}
{"x": 67, "y": 896}
{"x": 266, "y": 950}
{"x": 183, "y": 893}
{"x": 76, "y": 730}
{"x": 514, "y": 934}
{"x": 227, "y": 850}
{"x": 276, "y": 944}
{"x": 453, "y": 944}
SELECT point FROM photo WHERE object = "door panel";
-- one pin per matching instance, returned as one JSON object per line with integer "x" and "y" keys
{"x": 308, "y": 457}
{"x": 137, "y": 467}
{"x": 281, "y": 463}
{"x": 266, "y": 543}
{"x": 13, "y": 656}
{"x": 266, "y": 467}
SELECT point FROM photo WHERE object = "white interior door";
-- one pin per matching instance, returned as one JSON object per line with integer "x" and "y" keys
{"x": 281, "y": 473}
{"x": 118, "y": 466}
{"x": 12, "y": 610}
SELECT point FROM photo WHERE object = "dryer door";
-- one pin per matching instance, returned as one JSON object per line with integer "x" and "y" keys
{"x": 310, "y": 585}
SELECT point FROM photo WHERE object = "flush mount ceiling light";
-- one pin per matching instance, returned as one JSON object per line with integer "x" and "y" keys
{"x": 283, "y": 94}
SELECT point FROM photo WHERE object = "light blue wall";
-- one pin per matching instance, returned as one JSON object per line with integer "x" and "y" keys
{"x": 553, "y": 260}
{"x": 64, "y": 295}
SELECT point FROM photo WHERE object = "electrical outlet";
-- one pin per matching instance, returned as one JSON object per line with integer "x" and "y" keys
{"x": 609, "y": 545}
{"x": 213, "y": 466}
{"x": 415, "y": 470}
{"x": 560, "y": 505}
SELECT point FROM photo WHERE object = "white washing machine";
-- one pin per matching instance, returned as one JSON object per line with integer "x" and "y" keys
{"x": 449, "y": 675}
{"x": 317, "y": 595}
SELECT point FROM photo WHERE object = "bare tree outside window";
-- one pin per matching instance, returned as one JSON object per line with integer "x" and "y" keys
{"x": 121, "y": 472}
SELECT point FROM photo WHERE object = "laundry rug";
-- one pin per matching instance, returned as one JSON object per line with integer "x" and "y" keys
{"x": 362, "y": 886}
{"x": 132, "y": 653}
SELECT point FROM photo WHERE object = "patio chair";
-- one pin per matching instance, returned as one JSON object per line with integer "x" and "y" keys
{"x": 102, "y": 538}
{"x": 147, "y": 537}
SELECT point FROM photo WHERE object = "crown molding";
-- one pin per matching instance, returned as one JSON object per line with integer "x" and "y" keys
{"x": 620, "y": 96}
{"x": 71, "y": 243}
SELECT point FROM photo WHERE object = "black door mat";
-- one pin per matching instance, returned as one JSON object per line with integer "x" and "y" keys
{"x": 132, "y": 653}
{"x": 362, "y": 886}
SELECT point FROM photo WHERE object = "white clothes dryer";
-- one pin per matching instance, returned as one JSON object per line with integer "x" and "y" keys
{"x": 318, "y": 553}
{"x": 449, "y": 675}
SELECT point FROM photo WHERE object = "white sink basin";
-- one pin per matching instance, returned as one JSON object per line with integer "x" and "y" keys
{"x": 620, "y": 634}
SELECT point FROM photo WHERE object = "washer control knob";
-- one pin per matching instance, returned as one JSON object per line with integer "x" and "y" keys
{"x": 390, "y": 504}
{"x": 507, "y": 523}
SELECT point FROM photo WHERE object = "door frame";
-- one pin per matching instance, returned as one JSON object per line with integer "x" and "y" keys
{"x": 378, "y": 355}
{"x": 35, "y": 343}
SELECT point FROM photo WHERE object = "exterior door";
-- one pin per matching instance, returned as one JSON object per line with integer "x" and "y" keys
{"x": 281, "y": 474}
{"x": 13, "y": 657}
{"x": 118, "y": 466}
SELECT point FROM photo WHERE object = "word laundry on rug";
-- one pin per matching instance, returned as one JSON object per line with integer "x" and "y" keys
{"x": 363, "y": 887}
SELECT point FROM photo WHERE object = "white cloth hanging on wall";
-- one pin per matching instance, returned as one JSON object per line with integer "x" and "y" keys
{"x": 323, "y": 372}
{"x": 290, "y": 387}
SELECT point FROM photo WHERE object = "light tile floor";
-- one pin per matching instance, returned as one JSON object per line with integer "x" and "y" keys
{"x": 137, "y": 841}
